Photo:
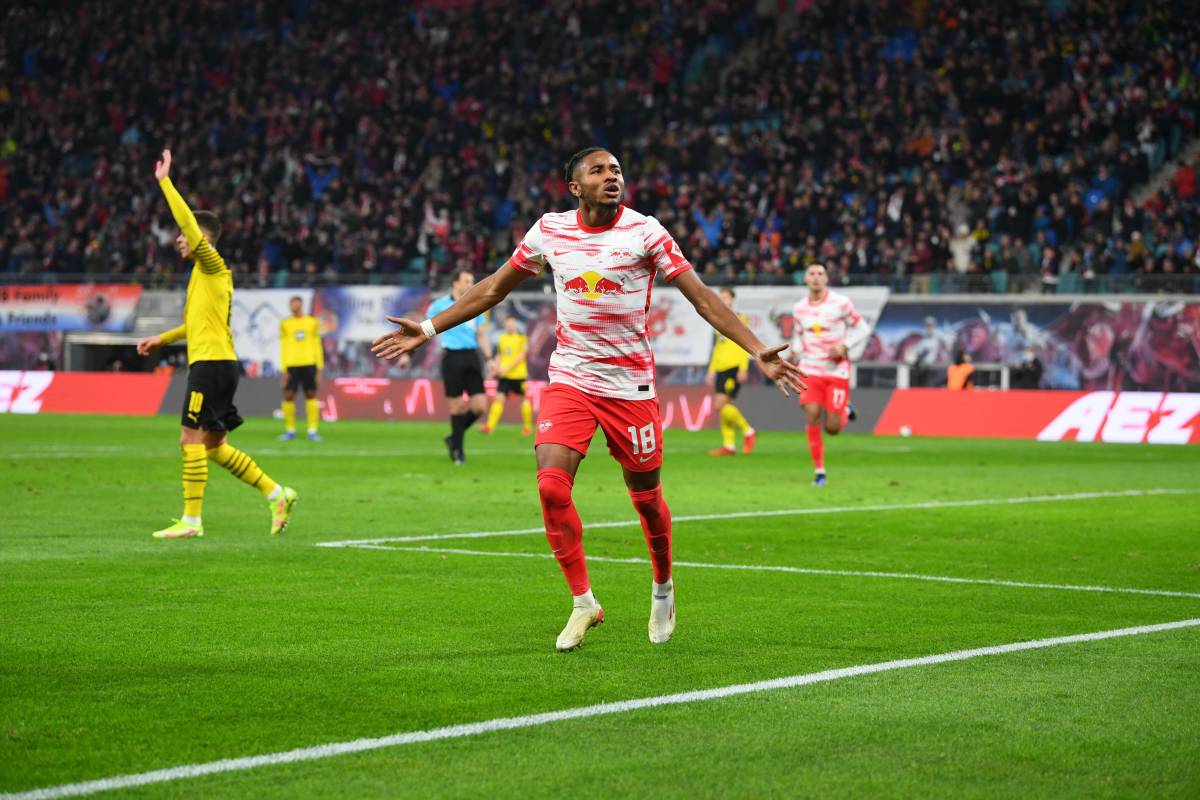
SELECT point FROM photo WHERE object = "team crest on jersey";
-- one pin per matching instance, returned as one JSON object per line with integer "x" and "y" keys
{"x": 545, "y": 425}
{"x": 620, "y": 254}
{"x": 299, "y": 336}
{"x": 591, "y": 285}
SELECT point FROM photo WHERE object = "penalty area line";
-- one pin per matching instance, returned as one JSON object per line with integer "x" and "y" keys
{"x": 581, "y": 712}
{"x": 783, "y": 512}
{"x": 844, "y": 573}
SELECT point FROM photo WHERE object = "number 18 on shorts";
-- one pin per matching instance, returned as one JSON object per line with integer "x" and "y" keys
{"x": 633, "y": 428}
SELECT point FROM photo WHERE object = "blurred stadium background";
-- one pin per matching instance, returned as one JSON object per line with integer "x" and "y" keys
{"x": 1014, "y": 180}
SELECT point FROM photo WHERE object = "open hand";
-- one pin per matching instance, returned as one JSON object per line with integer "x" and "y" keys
{"x": 405, "y": 339}
{"x": 785, "y": 374}
{"x": 162, "y": 168}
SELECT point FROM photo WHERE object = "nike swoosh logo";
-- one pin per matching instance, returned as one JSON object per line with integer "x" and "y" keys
{"x": 644, "y": 460}
{"x": 558, "y": 253}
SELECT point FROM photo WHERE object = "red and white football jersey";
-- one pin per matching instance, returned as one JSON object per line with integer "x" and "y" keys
{"x": 820, "y": 326}
{"x": 604, "y": 277}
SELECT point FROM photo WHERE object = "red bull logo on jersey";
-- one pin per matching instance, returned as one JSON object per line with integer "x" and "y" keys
{"x": 816, "y": 328}
{"x": 591, "y": 285}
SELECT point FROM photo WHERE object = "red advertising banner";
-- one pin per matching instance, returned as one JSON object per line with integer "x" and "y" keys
{"x": 32, "y": 392}
{"x": 1128, "y": 417}
{"x": 688, "y": 407}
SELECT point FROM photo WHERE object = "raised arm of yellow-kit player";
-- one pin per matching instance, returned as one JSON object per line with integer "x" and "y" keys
{"x": 479, "y": 298}
{"x": 784, "y": 374}
{"x": 206, "y": 256}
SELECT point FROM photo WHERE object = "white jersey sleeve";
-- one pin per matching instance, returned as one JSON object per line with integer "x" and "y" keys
{"x": 663, "y": 251}
{"x": 530, "y": 255}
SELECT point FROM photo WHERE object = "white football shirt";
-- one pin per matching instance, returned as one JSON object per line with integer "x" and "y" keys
{"x": 820, "y": 326}
{"x": 604, "y": 277}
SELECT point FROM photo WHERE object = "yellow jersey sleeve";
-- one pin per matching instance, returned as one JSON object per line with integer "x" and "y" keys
{"x": 315, "y": 340}
{"x": 173, "y": 335}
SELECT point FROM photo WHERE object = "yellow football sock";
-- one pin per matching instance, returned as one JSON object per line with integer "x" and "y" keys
{"x": 727, "y": 435}
{"x": 195, "y": 476}
{"x": 312, "y": 413}
{"x": 289, "y": 416}
{"x": 526, "y": 414}
{"x": 735, "y": 417}
{"x": 495, "y": 412}
{"x": 242, "y": 467}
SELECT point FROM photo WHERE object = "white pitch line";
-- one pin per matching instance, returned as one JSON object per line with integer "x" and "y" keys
{"x": 581, "y": 712}
{"x": 845, "y": 573}
{"x": 783, "y": 512}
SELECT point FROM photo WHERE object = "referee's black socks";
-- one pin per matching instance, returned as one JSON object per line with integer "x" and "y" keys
{"x": 459, "y": 424}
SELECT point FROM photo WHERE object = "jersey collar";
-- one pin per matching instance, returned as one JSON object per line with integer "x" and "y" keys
{"x": 586, "y": 229}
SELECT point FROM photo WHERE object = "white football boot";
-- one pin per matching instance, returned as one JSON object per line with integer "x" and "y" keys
{"x": 582, "y": 619}
{"x": 662, "y": 613}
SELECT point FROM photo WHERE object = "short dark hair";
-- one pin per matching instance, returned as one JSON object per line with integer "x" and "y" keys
{"x": 729, "y": 289}
{"x": 573, "y": 162}
{"x": 294, "y": 298}
{"x": 458, "y": 273}
{"x": 210, "y": 224}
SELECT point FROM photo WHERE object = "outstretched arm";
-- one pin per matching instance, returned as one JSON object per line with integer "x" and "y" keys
{"x": 720, "y": 316}
{"x": 184, "y": 217}
{"x": 481, "y": 297}
{"x": 206, "y": 255}
{"x": 150, "y": 343}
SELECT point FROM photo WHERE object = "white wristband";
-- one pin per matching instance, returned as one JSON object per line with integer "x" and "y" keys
{"x": 428, "y": 329}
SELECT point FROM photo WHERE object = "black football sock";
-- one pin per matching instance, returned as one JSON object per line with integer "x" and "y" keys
{"x": 458, "y": 426}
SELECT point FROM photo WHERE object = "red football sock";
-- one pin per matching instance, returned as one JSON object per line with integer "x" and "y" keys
{"x": 564, "y": 530}
{"x": 656, "y": 525}
{"x": 816, "y": 445}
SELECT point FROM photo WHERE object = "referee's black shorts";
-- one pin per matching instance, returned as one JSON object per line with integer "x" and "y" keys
{"x": 462, "y": 372}
{"x": 725, "y": 382}
{"x": 208, "y": 405}
{"x": 302, "y": 377}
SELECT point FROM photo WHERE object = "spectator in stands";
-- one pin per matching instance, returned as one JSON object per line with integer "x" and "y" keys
{"x": 362, "y": 141}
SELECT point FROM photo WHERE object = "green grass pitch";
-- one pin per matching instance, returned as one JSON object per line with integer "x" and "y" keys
{"x": 120, "y": 654}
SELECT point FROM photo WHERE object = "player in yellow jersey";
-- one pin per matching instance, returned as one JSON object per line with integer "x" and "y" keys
{"x": 513, "y": 369}
{"x": 301, "y": 357}
{"x": 208, "y": 410}
{"x": 727, "y": 373}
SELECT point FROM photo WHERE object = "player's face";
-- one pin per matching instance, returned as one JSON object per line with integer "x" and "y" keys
{"x": 599, "y": 180}
{"x": 183, "y": 248}
{"x": 727, "y": 298}
{"x": 510, "y": 325}
{"x": 816, "y": 279}
{"x": 296, "y": 306}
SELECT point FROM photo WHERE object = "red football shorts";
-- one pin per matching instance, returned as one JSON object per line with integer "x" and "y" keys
{"x": 831, "y": 393}
{"x": 633, "y": 427}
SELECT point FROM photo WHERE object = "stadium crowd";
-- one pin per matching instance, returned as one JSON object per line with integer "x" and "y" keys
{"x": 931, "y": 145}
